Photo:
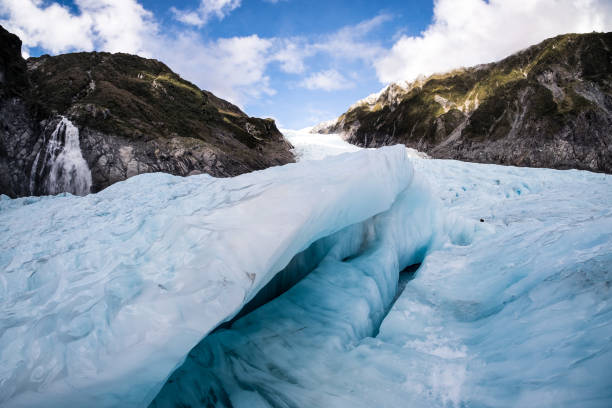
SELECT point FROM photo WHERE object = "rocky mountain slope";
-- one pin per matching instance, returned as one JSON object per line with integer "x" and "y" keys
{"x": 81, "y": 122}
{"x": 547, "y": 106}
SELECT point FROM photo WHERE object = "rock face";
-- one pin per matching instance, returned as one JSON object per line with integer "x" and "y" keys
{"x": 115, "y": 116}
{"x": 547, "y": 106}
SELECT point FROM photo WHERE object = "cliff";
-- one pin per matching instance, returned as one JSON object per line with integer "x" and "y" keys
{"x": 117, "y": 115}
{"x": 547, "y": 106}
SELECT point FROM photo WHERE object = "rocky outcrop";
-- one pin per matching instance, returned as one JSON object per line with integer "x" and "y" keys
{"x": 547, "y": 106}
{"x": 17, "y": 127}
{"x": 129, "y": 115}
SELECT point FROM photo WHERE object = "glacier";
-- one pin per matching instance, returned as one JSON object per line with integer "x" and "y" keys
{"x": 511, "y": 311}
{"x": 103, "y": 296}
{"x": 112, "y": 299}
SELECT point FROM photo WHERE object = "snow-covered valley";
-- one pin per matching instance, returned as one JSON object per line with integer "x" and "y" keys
{"x": 104, "y": 297}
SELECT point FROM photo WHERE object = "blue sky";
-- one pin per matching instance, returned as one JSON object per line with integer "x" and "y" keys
{"x": 293, "y": 105}
{"x": 300, "y": 61}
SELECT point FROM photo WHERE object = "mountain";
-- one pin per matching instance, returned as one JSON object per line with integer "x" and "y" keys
{"x": 83, "y": 121}
{"x": 547, "y": 106}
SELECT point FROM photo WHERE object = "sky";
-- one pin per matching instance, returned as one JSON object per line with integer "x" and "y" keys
{"x": 300, "y": 61}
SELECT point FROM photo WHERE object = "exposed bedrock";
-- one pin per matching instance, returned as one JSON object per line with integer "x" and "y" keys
{"x": 549, "y": 105}
{"x": 130, "y": 115}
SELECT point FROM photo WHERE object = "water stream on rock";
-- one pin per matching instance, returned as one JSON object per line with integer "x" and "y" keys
{"x": 63, "y": 168}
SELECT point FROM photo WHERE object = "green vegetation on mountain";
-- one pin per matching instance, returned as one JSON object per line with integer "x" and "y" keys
{"x": 136, "y": 98}
{"x": 547, "y": 106}
{"x": 134, "y": 115}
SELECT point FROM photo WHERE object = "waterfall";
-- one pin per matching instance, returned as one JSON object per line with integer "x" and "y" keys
{"x": 62, "y": 168}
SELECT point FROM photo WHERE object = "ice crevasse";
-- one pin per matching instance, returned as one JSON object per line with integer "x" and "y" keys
{"x": 111, "y": 299}
{"x": 513, "y": 311}
{"x": 103, "y": 296}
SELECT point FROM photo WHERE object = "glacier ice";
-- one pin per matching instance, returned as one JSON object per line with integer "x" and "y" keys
{"x": 271, "y": 354}
{"x": 103, "y": 297}
{"x": 313, "y": 146}
{"x": 513, "y": 311}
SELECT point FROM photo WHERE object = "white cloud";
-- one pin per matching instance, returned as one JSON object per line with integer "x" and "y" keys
{"x": 351, "y": 42}
{"x": 112, "y": 25}
{"x": 53, "y": 27}
{"x": 471, "y": 32}
{"x": 206, "y": 10}
{"x": 348, "y": 44}
{"x": 232, "y": 68}
{"x": 329, "y": 80}
{"x": 291, "y": 54}
{"x": 120, "y": 25}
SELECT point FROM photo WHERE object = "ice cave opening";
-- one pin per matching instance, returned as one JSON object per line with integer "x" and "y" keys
{"x": 105, "y": 297}
{"x": 330, "y": 296}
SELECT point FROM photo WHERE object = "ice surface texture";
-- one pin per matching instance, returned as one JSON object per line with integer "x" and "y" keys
{"x": 315, "y": 146}
{"x": 513, "y": 312}
{"x": 103, "y": 296}
{"x": 283, "y": 353}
